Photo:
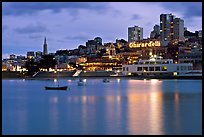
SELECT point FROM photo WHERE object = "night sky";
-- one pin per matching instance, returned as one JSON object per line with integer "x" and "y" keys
{"x": 67, "y": 25}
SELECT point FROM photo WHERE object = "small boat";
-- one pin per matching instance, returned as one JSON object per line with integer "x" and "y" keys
{"x": 81, "y": 82}
{"x": 106, "y": 80}
{"x": 56, "y": 88}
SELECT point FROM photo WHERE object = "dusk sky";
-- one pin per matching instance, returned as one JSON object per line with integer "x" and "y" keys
{"x": 70, "y": 24}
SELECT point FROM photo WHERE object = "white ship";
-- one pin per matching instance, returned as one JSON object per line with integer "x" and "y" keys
{"x": 157, "y": 66}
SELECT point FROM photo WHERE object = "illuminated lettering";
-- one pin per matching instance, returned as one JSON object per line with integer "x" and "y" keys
{"x": 144, "y": 44}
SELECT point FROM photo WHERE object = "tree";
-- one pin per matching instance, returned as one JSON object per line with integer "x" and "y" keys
{"x": 47, "y": 61}
{"x": 31, "y": 66}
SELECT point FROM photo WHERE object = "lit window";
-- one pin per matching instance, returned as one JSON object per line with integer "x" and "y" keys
{"x": 164, "y": 68}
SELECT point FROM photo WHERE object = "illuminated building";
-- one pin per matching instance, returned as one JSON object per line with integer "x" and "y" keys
{"x": 110, "y": 49}
{"x": 93, "y": 46}
{"x": 166, "y": 28}
{"x": 135, "y": 33}
{"x": 157, "y": 66}
{"x": 102, "y": 64}
{"x": 171, "y": 29}
{"x": 178, "y": 29}
{"x": 145, "y": 43}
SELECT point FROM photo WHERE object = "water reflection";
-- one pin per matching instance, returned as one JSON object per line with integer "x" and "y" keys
{"x": 145, "y": 109}
{"x": 128, "y": 107}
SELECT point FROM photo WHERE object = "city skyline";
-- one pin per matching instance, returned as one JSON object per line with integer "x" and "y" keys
{"x": 68, "y": 25}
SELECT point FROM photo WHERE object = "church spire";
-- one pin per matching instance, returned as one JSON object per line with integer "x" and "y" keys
{"x": 45, "y": 47}
{"x": 45, "y": 40}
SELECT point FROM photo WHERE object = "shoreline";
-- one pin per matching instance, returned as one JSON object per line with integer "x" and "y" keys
{"x": 110, "y": 77}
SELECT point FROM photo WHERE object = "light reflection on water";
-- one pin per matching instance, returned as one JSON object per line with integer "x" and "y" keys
{"x": 124, "y": 107}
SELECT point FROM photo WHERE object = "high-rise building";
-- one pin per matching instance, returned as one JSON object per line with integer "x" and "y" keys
{"x": 45, "y": 52}
{"x": 166, "y": 28}
{"x": 135, "y": 33}
{"x": 178, "y": 29}
{"x": 171, "y": 29}
{"x": 155, "y": 33}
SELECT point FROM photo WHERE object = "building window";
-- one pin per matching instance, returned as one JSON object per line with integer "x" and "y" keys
{"x": 181, "y": 67}
{"x": 157, "y": 68}
{"x": 127, "y": 69}
{"x": 151, "y": 68}
{"x": 123, "y": 68}
{"x": 164, "y": 68}
{"x": 175, "y": 73}
{"x": 139, "y": 68}
{"x": 177, "y": 67}
{"x": 145, "y": 68}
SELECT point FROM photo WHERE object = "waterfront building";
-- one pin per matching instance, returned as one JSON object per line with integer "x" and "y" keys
{"x": 135, "y": 33}
{"x": 102, "y": 65}
{"x": 81, "y": 59}
{"x": 45, "y": 51}
{"x": 194, "y": 57}
{"x": 156, "y": 65}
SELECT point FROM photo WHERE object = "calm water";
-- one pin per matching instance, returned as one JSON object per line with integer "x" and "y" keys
{"x": 124, "y": 106}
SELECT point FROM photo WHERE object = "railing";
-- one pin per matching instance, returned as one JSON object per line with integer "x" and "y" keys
{"x": 77, "y": 73}
{"x": 35, "y": 74}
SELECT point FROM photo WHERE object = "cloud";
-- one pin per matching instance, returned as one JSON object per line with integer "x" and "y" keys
{"x": 135, "y": 17}
{"x": 4, "y": 28}
{"x": 29, "y": 29}
{"x": 22, "y": 8}
{"x": 35, "y": 37}
{"x": 79, "y": 37}
{"x": 189, "y": 9}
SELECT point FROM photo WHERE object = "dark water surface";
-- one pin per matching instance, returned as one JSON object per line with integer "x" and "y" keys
{"x": 123, "y": 106}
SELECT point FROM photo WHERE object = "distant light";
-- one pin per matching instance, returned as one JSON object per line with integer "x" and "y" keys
{"x": 55, "y": 80}
{"x": 118, "y": 80}
{"x": 145, "y": 80}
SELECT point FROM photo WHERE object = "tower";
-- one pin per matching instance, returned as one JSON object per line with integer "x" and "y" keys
{"x": 45, "y": 52}
{"x": 135, "y": 33}
{"x": 166, "y": 28}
